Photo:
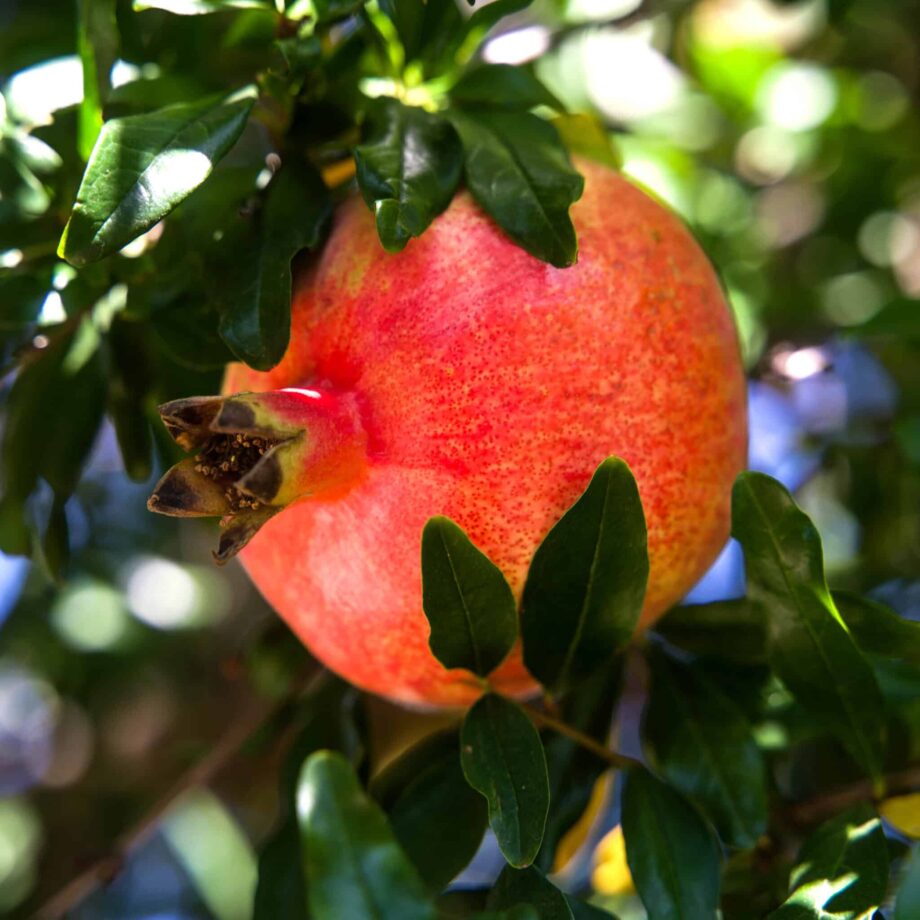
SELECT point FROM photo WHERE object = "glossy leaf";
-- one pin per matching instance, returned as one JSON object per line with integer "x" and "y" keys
{"x": 408, "y": 170}
{"x": 143, "y": 165}
{"x": 808, "y": 645}
{"x": 877, "y": 629}
{"x": 469, "y": 605}
{"x": 734, "y": 630}
{"x": 502, "y": 86}
{"x": 354, "y": 866}
{"x": 502, "y": 758}
{"x": 703, "y": 745}
{"x": 841, "y": 870}
{"x": 529, "y": 886}
{"x": 327, "y": 718}
{"x": 254, "y": 290}
{"x": 424, "y": 792}
{"x": 673, "y": 855}
{"x": 520, "y": 174}
{"x": 586, "y": 583}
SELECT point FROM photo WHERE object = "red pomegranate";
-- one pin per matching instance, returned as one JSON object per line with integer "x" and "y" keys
{"x": 466, "y": 378}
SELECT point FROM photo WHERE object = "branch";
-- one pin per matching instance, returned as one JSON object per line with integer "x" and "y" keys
{"x": 227, "y": 747}
{"x": 615, "y": 759}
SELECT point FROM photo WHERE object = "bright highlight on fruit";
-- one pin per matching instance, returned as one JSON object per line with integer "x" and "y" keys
{"x": 463, "y": 377}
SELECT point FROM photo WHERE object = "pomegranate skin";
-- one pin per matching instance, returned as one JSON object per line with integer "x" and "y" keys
{"x": 490, "y": 386}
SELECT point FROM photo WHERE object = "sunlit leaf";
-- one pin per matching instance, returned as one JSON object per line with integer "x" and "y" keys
{"x": 143, "y": 165}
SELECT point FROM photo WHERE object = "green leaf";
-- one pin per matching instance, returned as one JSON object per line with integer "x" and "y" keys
{"x": 588, "y": 136}
{"x": 468, "y": 38}
{"x": 326, "y": 719}
{"x": 899, "y": 319}
{"x": 518, "y": 912}
{"x": 907, "y": 906}
{"x": 97, "y": 41}
{"x": 469, "y": 605}
{"x": 877, "y": 629}
{"x": 841, "y": 870}
{"x": 734, "y": 630}
{"x": 586, "y": 583}
{"x": 581, "y": 910}
{"x": 808, "y": 645}
{"x": 354, "y": 866}
{"x": 672, "y": 854}
{"x": 254, "y": 290}
{"x": 702, "y": 744}
{"x": 573, "y": 771}
{"x": 201, "y": 7}
{"x": 502, "y": 86}
{"x": 529, "y": 886}
{"x": 502, "y": 758}
{"x": 143, "y": 165}
{"x": 520, "y": 174}
{"x": 408, "y": 170}
{"x": 424, "y": 792}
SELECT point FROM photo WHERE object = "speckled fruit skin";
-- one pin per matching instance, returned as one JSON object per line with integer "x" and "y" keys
{"x": 490, "y": 386}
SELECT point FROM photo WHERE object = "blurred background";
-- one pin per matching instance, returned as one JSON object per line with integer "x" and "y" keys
{"x": 787, "y": 135}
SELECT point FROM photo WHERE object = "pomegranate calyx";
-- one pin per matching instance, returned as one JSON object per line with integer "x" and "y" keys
{"x": 239, "y": 469}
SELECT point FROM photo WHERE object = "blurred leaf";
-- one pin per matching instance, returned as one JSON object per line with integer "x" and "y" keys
{"x": 593, "y": 567}
{"x": 143, "y": 165}
{"x": 573, "y": 771}
{"x": 468, "y": 603}
{"x": 97, "y": 41}
{"x": 502, "y": 86}
{"x": 354, "y": 866}
{"x": 502, "y": 758}
{"x": 424, "y": 793}
{"x": 254, "y": 290}
{"x": 518, "y": 171}
{"x": 518, "y": 912}
{"x": 22, "y": 295}
{"x": 529, "y": 886}
{"x": 903, "y": 813}
{"x": 907, "y": 906}
{"x": 877, "y": 629}
{"x": 188, "y": 332}
{"x": 131, "y": 381}
{"x": 408, "y": 169}
{"x": 200, "y": 7}
{"x": 326, "y": 720}
{"x": 734, "y": 630}
{"x": 703, "y": 745}
{"x": 842, "y": 869}
{"x": 474, "y": 29}
{"x": 673, "y": 855}
{"x": 808, "y": 645}
{"x": 426, "y": 30}
{"x": 588, "y": 136}
{"x": 581, "y": 910}
{"x": 56, "y": 541}
{"x": 899, "y": 319}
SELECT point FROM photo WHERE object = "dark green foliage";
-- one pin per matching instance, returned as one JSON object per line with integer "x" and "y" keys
{"x": 468, "y": 603}
{"x": 530, "y": 886}
{"x": 594, "y": 563}
{"x": 502, "y": 758}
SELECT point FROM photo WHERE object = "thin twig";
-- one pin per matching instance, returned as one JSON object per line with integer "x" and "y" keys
{"x": 227, "y": 747}
{"x": 614, "y": 758}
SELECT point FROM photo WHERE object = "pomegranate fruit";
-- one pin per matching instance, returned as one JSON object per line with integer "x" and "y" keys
{"x": 464, "y": 377}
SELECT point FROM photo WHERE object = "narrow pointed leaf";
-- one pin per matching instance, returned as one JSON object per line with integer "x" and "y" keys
{"x": 469, "y": 605}
{"x": 407, "y": 170}
{"x": 142, "y": 166}
{"x": 254, "y": 289}
{"x": 502, "y": 758}
{"x": 97, "y": 42}
{"x": 703, "y": 745}
{"x": 354, "y": 866}
{"x": 672, "y": 853}
{"x": 424, "y": 792}
{"x": 586, "y": 584}
{"x": 808, "y": 645}
{"x": 842, "y": 869}
{"x": 529, "y": 886}
{"x": 519, "y": 172}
